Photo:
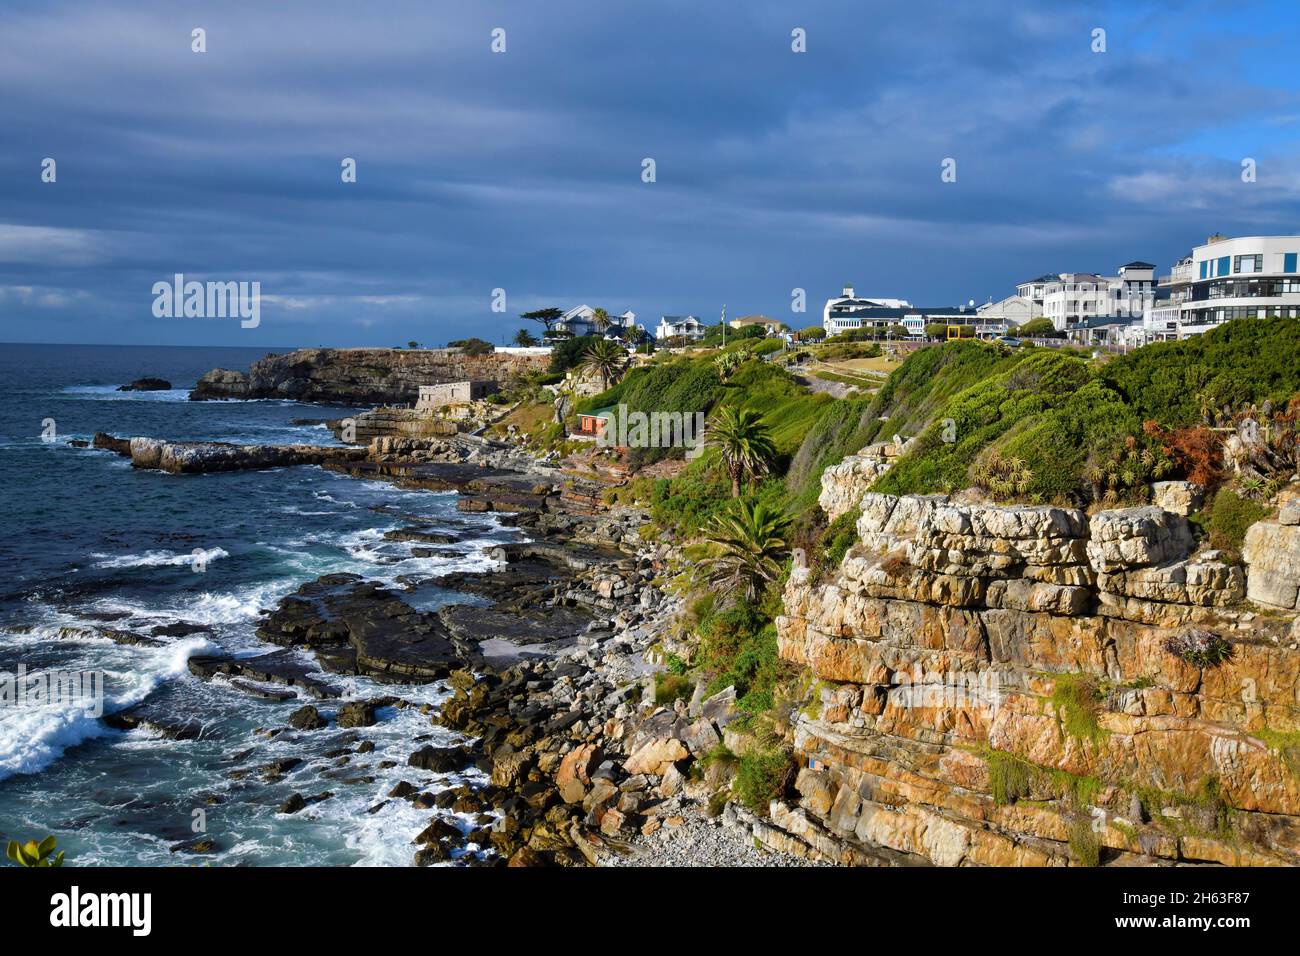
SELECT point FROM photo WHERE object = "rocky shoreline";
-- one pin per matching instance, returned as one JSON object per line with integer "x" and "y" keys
{"x": 550, "y": 659}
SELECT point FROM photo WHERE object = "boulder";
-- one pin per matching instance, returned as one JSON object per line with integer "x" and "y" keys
{"x": 146, "y": 385}
{"x": 306, "y": 718}
{"x": 1137, "y": 537}
{"x": 1177, "y": 497}
{"x": 573, "y": 777}
{"x": 656, "y": 756}
{"x": 1272, "y": 555}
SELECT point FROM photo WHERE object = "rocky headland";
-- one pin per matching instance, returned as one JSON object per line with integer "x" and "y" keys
{"x": 362, "y": 376}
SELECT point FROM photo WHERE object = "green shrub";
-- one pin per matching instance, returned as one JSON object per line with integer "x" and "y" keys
{"x": 840, "y": 535}
{"x": 738, "y": 648}
{"x": 570, "y": 353}
{"x": 1010, "y": 778}
{"x": 1077, "y": 700}
{"x": 1083, "y": 842}
{"x": 1229, "y": 517}
{"x": 670, "y": 687}
{"x": 1175, "y": 383}
{"x": 763, "y": 774}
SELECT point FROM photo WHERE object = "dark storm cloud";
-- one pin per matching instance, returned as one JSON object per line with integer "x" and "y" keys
{"x": 522, "y": 170}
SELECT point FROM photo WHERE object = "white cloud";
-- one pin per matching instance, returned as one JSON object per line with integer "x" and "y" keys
{"x": 50, "y": 245}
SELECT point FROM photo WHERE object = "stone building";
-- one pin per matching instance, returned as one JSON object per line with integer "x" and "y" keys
{"x": 454, "y": 393}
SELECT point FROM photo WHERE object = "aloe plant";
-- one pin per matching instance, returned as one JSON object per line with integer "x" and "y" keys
{"x": 34, "y": 854}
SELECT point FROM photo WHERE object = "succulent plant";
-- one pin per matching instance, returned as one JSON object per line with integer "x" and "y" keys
{"x": 34, "y": 854}
{"x": 1199, "y": 648}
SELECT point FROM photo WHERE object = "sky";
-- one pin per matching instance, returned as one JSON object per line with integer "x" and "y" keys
{"x": 523, "y": 170}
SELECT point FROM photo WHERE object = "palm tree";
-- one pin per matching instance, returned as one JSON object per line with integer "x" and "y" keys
{"x": 525, "y": 339}
{"x": 745, "y": 443}
{"x": 606, "y": 359}
{"x": 600, "y": 321}
{"x": 748, "y": 547}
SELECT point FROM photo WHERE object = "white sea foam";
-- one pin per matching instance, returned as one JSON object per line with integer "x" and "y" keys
{"x": 153, "y": 559}
{"x": 32, "y": 736}
{"x": 110, "y": 393}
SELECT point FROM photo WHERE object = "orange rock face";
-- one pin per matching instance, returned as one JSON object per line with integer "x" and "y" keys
{"x": 995, "y": 687}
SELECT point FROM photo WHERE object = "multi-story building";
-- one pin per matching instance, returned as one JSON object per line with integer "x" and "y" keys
{"x": 847, "y": 312}
{"x": 1081, "y": 303}
{"x": 1223, "y": 279}
{"x": 1244, "y": 278}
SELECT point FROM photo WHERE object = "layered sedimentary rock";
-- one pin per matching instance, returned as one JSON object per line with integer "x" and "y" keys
{"x": 1037, "y": 686}
{"x": 392, "y": 423}
{"x": 362, "y": 376}
{"x": 191, "y": 458}
{"x": 844, "y": 484}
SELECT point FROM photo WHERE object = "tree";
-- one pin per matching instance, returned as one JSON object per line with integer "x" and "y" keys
{"x": 569, "y": 353}
{"x": 544, "y": 317}
{"x": 744, "y": 443}
{"x": 606, "y": 359}
{"x": 600, "y": 321}
{"x": 748, "y": 547}
{"x": 814, "y": 333}
{"x": 412, "y": 345}
{"x": 525, "y": 339}
{"x": 1036, "y": 328}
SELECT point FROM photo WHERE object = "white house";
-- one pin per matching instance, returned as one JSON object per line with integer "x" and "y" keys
{"x": 679, "y": 326}
{"x": 580, "y": 320}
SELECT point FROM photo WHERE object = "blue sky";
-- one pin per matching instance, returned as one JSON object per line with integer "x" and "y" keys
{"x": 522, "y": 170}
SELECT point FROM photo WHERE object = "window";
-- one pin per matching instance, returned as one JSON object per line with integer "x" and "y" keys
{"x": 1288, "y": 262}
{"x": 1225, "y": 263}
{"x": 1249, "y": 264}
{"x": 1205, "y": 269}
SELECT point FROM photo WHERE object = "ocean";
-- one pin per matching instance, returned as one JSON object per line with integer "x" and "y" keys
{"x": 89, "y": 542}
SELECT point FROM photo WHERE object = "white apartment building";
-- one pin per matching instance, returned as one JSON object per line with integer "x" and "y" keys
{"x": 1251, "y": 277}
{"x": 1079, "y": 302}
{"x": 1223, "y": 279}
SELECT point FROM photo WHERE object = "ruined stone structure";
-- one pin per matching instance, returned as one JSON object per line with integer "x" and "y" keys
{"x": 452, "y": 393}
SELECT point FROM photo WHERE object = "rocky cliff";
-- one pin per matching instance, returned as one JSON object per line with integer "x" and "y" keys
{"x": 361, "y": 376}
{"x": 1015, "y": 685}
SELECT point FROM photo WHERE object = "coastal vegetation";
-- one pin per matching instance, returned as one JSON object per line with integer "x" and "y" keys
{"x": 1051, "y": 426}
{"x": 33, "y": 854}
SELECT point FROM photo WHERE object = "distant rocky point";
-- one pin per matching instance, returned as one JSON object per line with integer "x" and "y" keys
{"x": 147, "y": 385}
{"x": 361, "y": 376}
